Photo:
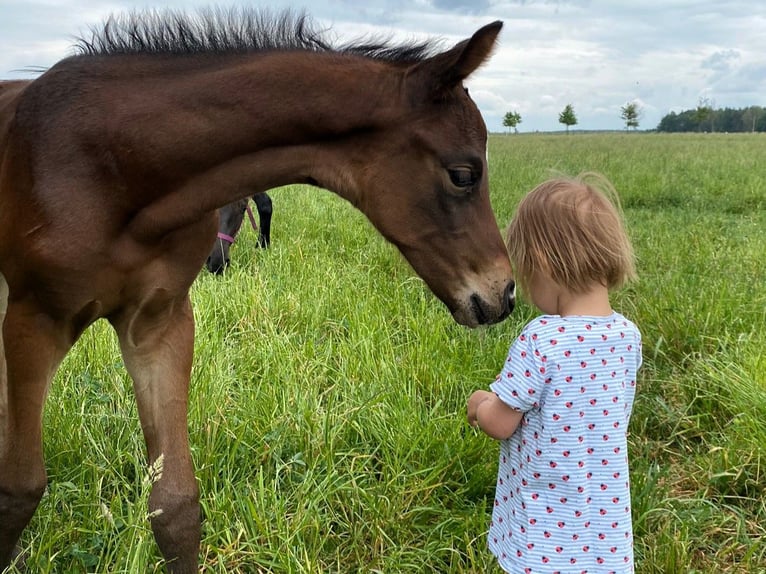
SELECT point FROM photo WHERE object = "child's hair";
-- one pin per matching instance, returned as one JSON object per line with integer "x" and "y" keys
{"x": 571, "y": 230}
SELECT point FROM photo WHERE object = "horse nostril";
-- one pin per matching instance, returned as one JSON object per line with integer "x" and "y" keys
{"x": 478, "y": 309}
{"x": 509, "y": 297}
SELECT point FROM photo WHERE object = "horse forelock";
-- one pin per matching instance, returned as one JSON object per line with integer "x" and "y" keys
{"x": 234, "y": 30}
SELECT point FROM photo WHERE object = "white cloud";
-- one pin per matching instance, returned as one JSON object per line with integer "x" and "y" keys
{"x": 594, "y": 54}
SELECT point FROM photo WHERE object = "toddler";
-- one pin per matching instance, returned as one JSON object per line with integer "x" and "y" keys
{"x": 561, "y": 404}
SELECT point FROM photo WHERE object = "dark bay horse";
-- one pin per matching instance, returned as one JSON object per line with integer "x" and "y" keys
{"x": 10, "y": 92}
{"x": 230, "y": 218}
{"x": 114, "y": 162}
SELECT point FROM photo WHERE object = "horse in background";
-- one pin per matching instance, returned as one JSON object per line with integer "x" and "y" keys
{"x": 230, "y": 218}
{"x": 114, "y": 162}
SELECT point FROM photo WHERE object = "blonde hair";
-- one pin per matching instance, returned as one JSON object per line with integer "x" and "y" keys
{"x": 571, "y": 229}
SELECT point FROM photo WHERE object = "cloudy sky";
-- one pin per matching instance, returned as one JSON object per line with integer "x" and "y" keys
{"x": 666, "y": 55}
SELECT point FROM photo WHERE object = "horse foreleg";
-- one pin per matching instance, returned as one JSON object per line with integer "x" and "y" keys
{"x": 265, "y": 209}
{"x": 156, "y": 339}
{"x": 32, "y": 347}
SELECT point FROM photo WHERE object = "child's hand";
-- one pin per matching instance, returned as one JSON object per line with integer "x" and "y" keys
{"x": 492, "y": 416}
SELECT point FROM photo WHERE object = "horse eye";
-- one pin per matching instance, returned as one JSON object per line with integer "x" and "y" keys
{"x": 462, "y": 177}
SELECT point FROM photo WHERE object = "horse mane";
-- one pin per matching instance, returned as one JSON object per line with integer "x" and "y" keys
{"x": 234, "y": 30}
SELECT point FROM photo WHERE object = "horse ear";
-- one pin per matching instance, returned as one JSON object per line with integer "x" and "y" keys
{"x": 446, "y": 70}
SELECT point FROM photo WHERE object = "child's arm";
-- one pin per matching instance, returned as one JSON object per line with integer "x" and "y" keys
{"x": 493, "y": 416}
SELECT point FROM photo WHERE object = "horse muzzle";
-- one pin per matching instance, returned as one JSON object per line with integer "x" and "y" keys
{"x": 478, "y": 311}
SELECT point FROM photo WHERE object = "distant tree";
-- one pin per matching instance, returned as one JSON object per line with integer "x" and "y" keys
{"x": 671, "y": 122}
{"x": 729, "y": 120}
{"x": 568, "y": 117}
{"x": 630, "y": 113}
{"x": 703, "y": 113}
{"x": 685, "y": 121}
{"x": 751, "y": 116}
{"x": 511, "y": 120}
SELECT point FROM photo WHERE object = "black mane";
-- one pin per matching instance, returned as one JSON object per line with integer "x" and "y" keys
{"x": 217, "y": 31}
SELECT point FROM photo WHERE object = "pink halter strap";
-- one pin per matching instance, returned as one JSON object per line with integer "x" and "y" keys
{"x": 228, "y": 238}
{"x": 251, "y": 216}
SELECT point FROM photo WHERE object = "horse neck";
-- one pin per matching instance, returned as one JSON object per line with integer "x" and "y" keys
{"x": 205, "y": 116}
{"x": 10, "y": 92}
{"x": 205, "y": 137}
{"x": 313, "y": 96}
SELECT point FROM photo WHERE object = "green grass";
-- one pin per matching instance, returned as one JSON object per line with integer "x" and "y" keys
{"x": 329, "y": 387}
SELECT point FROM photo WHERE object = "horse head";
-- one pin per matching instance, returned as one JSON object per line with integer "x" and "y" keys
{"x": 424, "y": 183}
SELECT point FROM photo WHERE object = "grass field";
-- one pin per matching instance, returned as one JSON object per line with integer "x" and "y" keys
{"x": 327, "y": 419}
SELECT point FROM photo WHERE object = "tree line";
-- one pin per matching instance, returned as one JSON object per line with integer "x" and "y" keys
{"x": 704, "y": 118}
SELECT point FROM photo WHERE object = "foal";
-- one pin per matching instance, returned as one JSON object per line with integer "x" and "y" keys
{"x": 114, "y": 162}
{"x": 230, "y": 218}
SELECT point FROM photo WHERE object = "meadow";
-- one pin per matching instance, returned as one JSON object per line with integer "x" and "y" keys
{"x": 328, "y": 396}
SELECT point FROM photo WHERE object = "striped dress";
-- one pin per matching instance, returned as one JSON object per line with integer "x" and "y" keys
{"x": 562, "y": 500}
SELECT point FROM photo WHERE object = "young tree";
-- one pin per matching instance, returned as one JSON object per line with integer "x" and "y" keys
{"x": 704, "y": 112}
{"x": 568, "y": 117}
{"x": 630, "y": 113}
{"x": 511, "y": 120}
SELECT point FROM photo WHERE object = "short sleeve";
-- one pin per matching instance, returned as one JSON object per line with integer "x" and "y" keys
{"x": 632, "y": 382}
{"x": 520, "y": 383}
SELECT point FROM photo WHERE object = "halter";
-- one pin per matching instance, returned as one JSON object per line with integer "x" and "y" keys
{"x": 229, "y": 238}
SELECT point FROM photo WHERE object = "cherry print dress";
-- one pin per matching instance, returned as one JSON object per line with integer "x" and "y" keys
{"x": 562, "y": 500}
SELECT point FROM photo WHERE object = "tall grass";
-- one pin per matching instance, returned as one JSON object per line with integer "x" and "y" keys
{"x": 329, "y": 387}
